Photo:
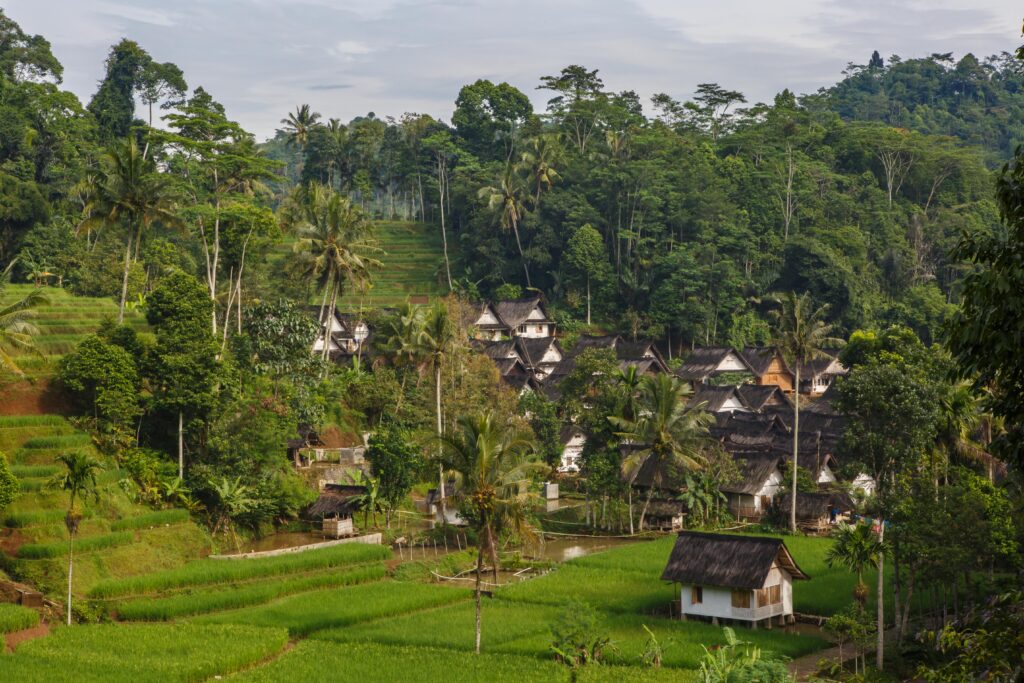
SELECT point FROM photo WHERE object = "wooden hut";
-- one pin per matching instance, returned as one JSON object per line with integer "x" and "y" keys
{"x": 814, "y": 511}
{"x": 744, "y": 579}
{"x": 760, "y": 481}
{"x": 335, "y": 507}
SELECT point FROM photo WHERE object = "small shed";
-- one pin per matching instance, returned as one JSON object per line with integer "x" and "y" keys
{"x": 814, "y": 511}
{"x": 335, "y": 507}
{"x": 760, "y": 481}
{"x": 452, "y": 495}
{"x": 746, "y": 579}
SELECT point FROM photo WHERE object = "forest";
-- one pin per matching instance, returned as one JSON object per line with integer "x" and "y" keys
{"x": 164, "y": 270}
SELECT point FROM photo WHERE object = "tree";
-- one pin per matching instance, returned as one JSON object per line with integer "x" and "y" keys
{"x": 506, "y": 200}
{"x": 489, "y": 117}
{"x": 857, "y": 548}
{"x": 127, "y": 191}
{"x": 183, "y": 369}
{"x": 16, "y": 328}
{"x": 78, "y": 478}
{"x": 586, "y": 256}
{"x": 25, "y": 57}
{"x": 577, "y": 635}
{"x": 393, "y": 462}
{"x": 334, "y": 236}
{"x": 666, "y": 436}
{"x": 490, "y": 459}
{"x": 991, "y": 314}
{"x": 435, "y": 341}
{"x": 105, "y": 377}
{"x": 113, "y": 105}
{"x": 538, "y": 162}
{"x": 297, "y": 126}
{"x": 800, "y": 333}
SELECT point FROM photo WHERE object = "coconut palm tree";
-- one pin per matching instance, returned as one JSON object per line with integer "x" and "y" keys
{"x": 857, "y": 548}
{"x": 963, "y": 419}
{"x": 506, "y": 200}
{"x": 334, "y": 236}
{"x": 126, "y": 190}
{"x": 298, "y": 124}
{"x": 435, "y": 340}
{"x": 401, "y": 335}
{"x": 800, "y": 334}
{"x": 538, "y": 161}
{"x": 16, "y": 328}
{"x": 666, "y": 434}
{"x": 489, "y": 458}
{"x": 78, "y": 478}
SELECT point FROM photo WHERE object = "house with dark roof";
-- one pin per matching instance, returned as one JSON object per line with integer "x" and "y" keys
{"x": 816, "y": 512}
{"x": 706, "y": 362}
{"x": 525, "y": 317}
{"x": 724, "y": 399}
{"x": 335, "y": 507}
{"x": 759, "y": 484}
{"x": 817, "y": 375}
{"x": 346, "y": 335}
{"x": 540, "y": 355}
{"x": 760, "y": 397}
{"x": 641, "y": 354}
{"x": 746, "y": 579}
{"x": 573, "y": 440}
{"x": 768, "y": 366}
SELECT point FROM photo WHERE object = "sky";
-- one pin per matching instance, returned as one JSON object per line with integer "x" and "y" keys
{"x": 261, "y": 58}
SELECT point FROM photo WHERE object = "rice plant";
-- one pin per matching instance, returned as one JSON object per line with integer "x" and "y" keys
{"x": 39, "y": 551}
{"x": 16, "y": 618}
{"x": 155, "y": 518}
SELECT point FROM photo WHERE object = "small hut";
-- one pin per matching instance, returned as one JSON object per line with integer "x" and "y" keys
{"x": 335, "y": 507}
{"x": 452, "y": 493}
{"x": 760, "y": 481}
{"x": 747, "y": 579}
{"x": 815, "y": 512}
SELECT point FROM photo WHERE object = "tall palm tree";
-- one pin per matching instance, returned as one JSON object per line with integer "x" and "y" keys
{"x": 298, "y": 124}
{"x": 800, "y": 334}
{"x": 506, "y": 199}
{"x": 335, "y": 236}
{"x": 78, "y": 478}
{"x": 667, "y": 433}
{"x": 128, "y": 191}
{"x": 490, "y": 459}
{"x": 857, "y": 548}
{"x": 401, "y": 341}
{"x": 16, "y": 328}
{"x": 538, "y": 161}
{"x": 436, "y": 338}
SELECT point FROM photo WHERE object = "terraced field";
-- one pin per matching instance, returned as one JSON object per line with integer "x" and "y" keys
{"x": 413, "y": 261}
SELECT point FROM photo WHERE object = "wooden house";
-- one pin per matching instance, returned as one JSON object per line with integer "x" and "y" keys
{"x": 573, "y": 440}
{"x": 335, "y": 507}
{"x": 526, "y": 317}
{"x": 817, "y": 375}
{"x": 768, "y": 367}
{"x": 760, "y": 482}
{"x": 706, "y": 362}
{"x": 737, "y": 579}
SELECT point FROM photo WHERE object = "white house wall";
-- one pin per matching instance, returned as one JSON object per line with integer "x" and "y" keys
{"x": 865, "y": 482}
{"x": 826, "y": 476}
{"x": 732, "y": 363}
{"x": 717, "y": 602}
{"x": 488, "y": 318}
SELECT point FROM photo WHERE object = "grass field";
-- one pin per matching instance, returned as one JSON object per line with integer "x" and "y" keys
{"x": 16, "y": 618}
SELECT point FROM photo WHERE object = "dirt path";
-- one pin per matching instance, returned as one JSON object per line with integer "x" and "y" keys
{"x": 18, "y": 637}
{"x": 804, "y": 668}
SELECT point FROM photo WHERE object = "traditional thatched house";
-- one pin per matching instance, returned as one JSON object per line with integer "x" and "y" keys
{"x": 736, "y": 578}
{"x": 760, "y": 482}
{"x": 573, "y": 440}
{"x": 815, "y": 512}
{"x": 335, "y": 507}
{"x": 540, "y": 355}
{"x": 705, "y": 362}
{"x": 817, "y": 375}
{"x": 768, "y": 366}
{"x": 724, "y": 399}
{"x": 346, "y": 335}
{"x": 761, "y": 397}
{"x": 452, "y": 495}
{"x": 526, "y": 317}
{"x": 641, "y": 354}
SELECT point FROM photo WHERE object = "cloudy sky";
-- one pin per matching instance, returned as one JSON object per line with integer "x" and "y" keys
{"x": 348, "y": 57}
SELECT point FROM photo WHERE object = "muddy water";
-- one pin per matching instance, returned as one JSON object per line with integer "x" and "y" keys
{"x": 562, "y": 548}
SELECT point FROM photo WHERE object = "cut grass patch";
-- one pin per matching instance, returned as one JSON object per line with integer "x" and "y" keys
{"x": 310, "y": 612}
{"x": 140, "y": 653}
{"x": 204, "y": 602}
{"x": 207, "y": 572}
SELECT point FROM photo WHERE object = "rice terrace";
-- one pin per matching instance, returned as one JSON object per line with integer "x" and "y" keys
{"x": 346, "y": 341}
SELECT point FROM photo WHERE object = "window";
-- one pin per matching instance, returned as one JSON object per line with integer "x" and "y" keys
{"x": 540, "y": 328}
{"x": 696, "y": 595}
{"x": 741, "y": 599}
{"x": 772, "y": 595}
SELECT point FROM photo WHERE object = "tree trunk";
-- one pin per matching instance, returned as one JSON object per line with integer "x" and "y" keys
{"x": 643, "y": 511}
{"x": 796, "y": 445}
{"x": 442, "y": 180}
{"x": 629, "y": 493}
{"x": 181, "y": 444}
{"x": 904, "y": 621}
{"x": 479, "y": 561}
{"x": 71, "y": 568}
{"x": 330, "y": 319}
{"x": 522, "y": 256}
{"x": 880, "y": 650}
{"x": 588, "y": 298}
{"x": 124, "y": 280}
{"x": 440, "y": 429}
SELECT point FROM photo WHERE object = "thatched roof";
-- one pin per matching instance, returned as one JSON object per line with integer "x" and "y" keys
{"x": 760, "y": 358}
{"x": 704, "y": 361}
{"x": 826, "y": 365}
{"x": 728, "y": 561}
{"x": 812, "y": 507}
{"x": 758, "y": 396}
{"x": 337, "y": 500}
{"x": 451, "y": 490}
{"x": 588, "y": 341}
{"x": 532, "y": 349}
{"x": 514, "y": 312}
{"x": 568, "y": 432}
{"x": 754, "y": 472}
{"x": 714, "y": 398}
{"x": 497, "y": 350}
